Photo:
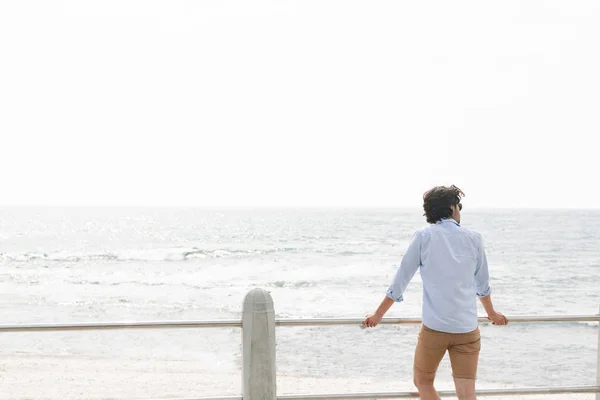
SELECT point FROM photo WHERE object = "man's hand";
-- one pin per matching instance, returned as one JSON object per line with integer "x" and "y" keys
{"x": 372, "y": 320}
{"x": 497, "y": 318}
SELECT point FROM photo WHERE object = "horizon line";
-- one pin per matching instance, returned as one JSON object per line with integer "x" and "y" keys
{"x": 288, "y": 207}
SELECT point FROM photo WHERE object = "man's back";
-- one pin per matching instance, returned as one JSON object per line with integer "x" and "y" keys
{"x": 453, "y": 269}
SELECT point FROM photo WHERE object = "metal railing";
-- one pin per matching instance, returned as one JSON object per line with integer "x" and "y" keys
{"x": 235, "y": 323}
{"x": 258, "y": 349}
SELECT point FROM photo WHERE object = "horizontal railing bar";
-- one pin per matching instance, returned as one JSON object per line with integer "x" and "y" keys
{"x": 412, "y": 395}
{"x": 279, "y": 322}
{"x": 399, "y": 321}
{"x": 193, "y": 398}
{"x": 447, "y": 393}
{"x": 341, "y": 321}
{"x": 120, "y": 325}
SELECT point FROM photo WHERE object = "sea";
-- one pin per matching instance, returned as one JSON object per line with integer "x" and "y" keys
{"x": 114, "y": 264}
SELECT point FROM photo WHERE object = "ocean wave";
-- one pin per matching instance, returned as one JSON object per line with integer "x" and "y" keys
{"x": 292, "y": 285}
{"x": 590, "y": 323}
{"x": 141, "y": 283}
{"x": 32, "y": 256}
{"x": 170, "y": 254}
{"x": 351, "y": 253}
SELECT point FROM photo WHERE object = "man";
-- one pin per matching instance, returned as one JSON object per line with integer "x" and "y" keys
{"x": 454, "y": 272}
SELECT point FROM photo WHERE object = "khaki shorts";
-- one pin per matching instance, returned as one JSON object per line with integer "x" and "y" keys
{"x": 462, "y": 347}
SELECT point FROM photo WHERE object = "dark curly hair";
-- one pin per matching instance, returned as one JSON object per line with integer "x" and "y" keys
{"x": 437, "y": 202}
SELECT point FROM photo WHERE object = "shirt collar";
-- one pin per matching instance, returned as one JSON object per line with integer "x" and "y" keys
{"x": 446, "y": 220}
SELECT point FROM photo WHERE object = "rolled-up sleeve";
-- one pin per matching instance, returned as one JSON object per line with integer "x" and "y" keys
{"x": 408, "y": 267}
{"x": 482, "y": 275}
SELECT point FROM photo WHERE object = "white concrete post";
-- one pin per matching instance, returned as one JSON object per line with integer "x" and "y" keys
{"x": 598, "y": 360}
{"x": 258, "y": 347}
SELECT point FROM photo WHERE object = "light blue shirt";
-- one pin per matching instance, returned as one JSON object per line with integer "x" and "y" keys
{"x": 454, "y": 272}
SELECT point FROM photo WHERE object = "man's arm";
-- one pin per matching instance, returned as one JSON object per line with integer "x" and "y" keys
{"x": 408, "y": 267}
{"x": 483, "y": 289}
{"x": 385, "y": 305}
{"x": 487, "y": 304}
{"x": 482, "y": 275}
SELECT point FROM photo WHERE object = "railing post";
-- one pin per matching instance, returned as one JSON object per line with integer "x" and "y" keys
{"x": 258, "y": 347}
{"x": 598, "y": 360}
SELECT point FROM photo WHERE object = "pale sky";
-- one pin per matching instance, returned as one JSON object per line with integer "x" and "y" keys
{"x": 299, "y": 103}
